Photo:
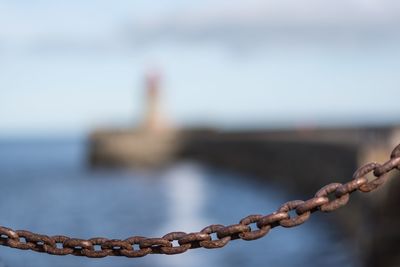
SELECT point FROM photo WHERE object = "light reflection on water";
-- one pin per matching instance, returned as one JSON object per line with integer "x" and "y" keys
{"x": 47, "y": 188}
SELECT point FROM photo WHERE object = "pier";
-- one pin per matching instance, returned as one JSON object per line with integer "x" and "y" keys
{"x": 298, "y": 159}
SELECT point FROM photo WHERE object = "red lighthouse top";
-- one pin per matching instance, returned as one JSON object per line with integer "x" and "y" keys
{"x": 153, "y": 82}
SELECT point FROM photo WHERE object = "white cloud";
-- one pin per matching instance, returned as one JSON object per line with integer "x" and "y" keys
{"x": 108, "y": 25}
{"x": 252, "y": 19}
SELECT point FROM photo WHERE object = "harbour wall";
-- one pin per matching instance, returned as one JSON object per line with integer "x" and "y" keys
{"x": 301, "y": 161}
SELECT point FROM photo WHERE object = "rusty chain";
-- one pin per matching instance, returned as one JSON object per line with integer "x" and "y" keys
{"x": 327, "y": 199}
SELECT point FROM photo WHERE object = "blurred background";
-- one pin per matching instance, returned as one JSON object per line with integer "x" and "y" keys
{"x": 121, "y": 118}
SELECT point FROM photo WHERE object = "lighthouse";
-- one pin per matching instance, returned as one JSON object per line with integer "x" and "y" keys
{"x": 153, "y": 119}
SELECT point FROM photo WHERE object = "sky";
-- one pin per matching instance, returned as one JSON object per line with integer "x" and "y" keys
{"x": 67, "y": 67}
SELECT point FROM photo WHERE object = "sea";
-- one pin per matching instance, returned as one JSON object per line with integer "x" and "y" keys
{"x": 48, "y": 187}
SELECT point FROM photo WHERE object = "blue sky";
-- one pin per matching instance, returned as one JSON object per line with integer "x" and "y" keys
{"x": 69, "y": 66}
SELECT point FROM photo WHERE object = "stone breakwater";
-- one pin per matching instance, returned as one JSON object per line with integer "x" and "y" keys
{"x": 301, "y": 161}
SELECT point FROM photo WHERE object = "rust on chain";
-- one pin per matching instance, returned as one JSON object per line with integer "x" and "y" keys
{"x": 299, "y": 219}
{"x": 375, "y": 169}
{"x": 327, "y": 199}
{"x": 217, "y": 243}
{"x": 337, "y": 202}
{"x": 256, "y": 234}
{"x": 311, "y": 204}
{"x": 395, "y": 152}
{"x": 175, "y": 249}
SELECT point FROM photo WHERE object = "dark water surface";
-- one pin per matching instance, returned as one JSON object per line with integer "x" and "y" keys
{"x": 46, "y": 187}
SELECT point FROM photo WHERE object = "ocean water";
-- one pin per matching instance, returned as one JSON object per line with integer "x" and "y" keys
{"x": 47, "y": 187}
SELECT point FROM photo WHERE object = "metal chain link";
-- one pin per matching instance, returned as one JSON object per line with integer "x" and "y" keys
{"x": 252, "y": 227}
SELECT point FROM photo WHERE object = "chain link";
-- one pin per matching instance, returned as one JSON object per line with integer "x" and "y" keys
{"x": 327, "y": 199}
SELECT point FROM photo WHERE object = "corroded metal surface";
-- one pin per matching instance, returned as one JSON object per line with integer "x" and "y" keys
{"x": 252, "y": 227}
